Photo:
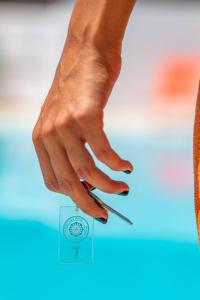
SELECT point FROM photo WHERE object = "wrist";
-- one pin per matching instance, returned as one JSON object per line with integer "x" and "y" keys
{"x": 95, "y": 32}
{"x": 87, "y": 52}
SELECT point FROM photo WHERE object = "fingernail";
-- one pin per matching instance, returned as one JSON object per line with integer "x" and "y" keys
{"x": 127, "y": 171}
{"x": 124, "y": 193}
{"x": 102, "y": 220}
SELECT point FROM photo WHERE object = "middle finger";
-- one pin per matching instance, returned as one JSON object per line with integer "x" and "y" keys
{"x": 85, "y": 167}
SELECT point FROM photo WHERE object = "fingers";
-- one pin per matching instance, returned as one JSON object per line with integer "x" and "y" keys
{"x": 64, "y": 159}
{"x": 84, "y": 166}
{"x": 104, "y": 152}
{"x": 67, "y": 179}
{"x": 98, "y": 141}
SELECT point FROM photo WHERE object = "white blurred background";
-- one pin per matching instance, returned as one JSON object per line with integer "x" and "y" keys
{"x": 159, "y": 77}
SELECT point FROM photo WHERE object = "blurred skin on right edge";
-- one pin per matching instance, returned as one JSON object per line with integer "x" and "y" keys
{"x": 196, "y": 148}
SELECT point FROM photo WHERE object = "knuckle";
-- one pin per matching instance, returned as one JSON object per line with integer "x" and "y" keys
{"x": 80, "y": 115}
{"x": 51, "y": 185}
{"x": 36, "y": 134}
{"x": 85, "y": 172}
{"x": 62, "y": 122}
{"x": 101, "y": 154}
{"x": 83, "y": 115}
{"x": 66, "y": 185}
{"x": 47, "y": 129}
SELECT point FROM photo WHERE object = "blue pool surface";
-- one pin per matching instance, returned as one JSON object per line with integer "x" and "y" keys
{"x": 156, "y": 258}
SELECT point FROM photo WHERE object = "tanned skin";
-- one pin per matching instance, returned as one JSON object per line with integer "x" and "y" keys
{"x": 196, "y": 156}
{"x": 72, "y": 113}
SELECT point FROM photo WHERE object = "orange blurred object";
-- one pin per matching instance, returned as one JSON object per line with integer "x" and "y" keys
{"x": 177, "y": 77}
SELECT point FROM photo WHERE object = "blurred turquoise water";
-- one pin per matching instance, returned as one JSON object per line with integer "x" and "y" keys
{"x": 132, "y": 268}
{"x": 156, "y": 258}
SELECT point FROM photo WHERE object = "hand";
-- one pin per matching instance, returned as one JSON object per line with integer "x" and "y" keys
{"x": 72, "y": 115}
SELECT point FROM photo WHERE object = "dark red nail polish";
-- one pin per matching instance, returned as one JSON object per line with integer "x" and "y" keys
{"x": 124, "y": 193}
{"x": 101, "y": 220}
{"x": 127, "y": 171}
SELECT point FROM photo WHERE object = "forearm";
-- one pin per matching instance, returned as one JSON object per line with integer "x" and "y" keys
{"x": 101, "y": 23}
{"x": 96, "y": 28}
